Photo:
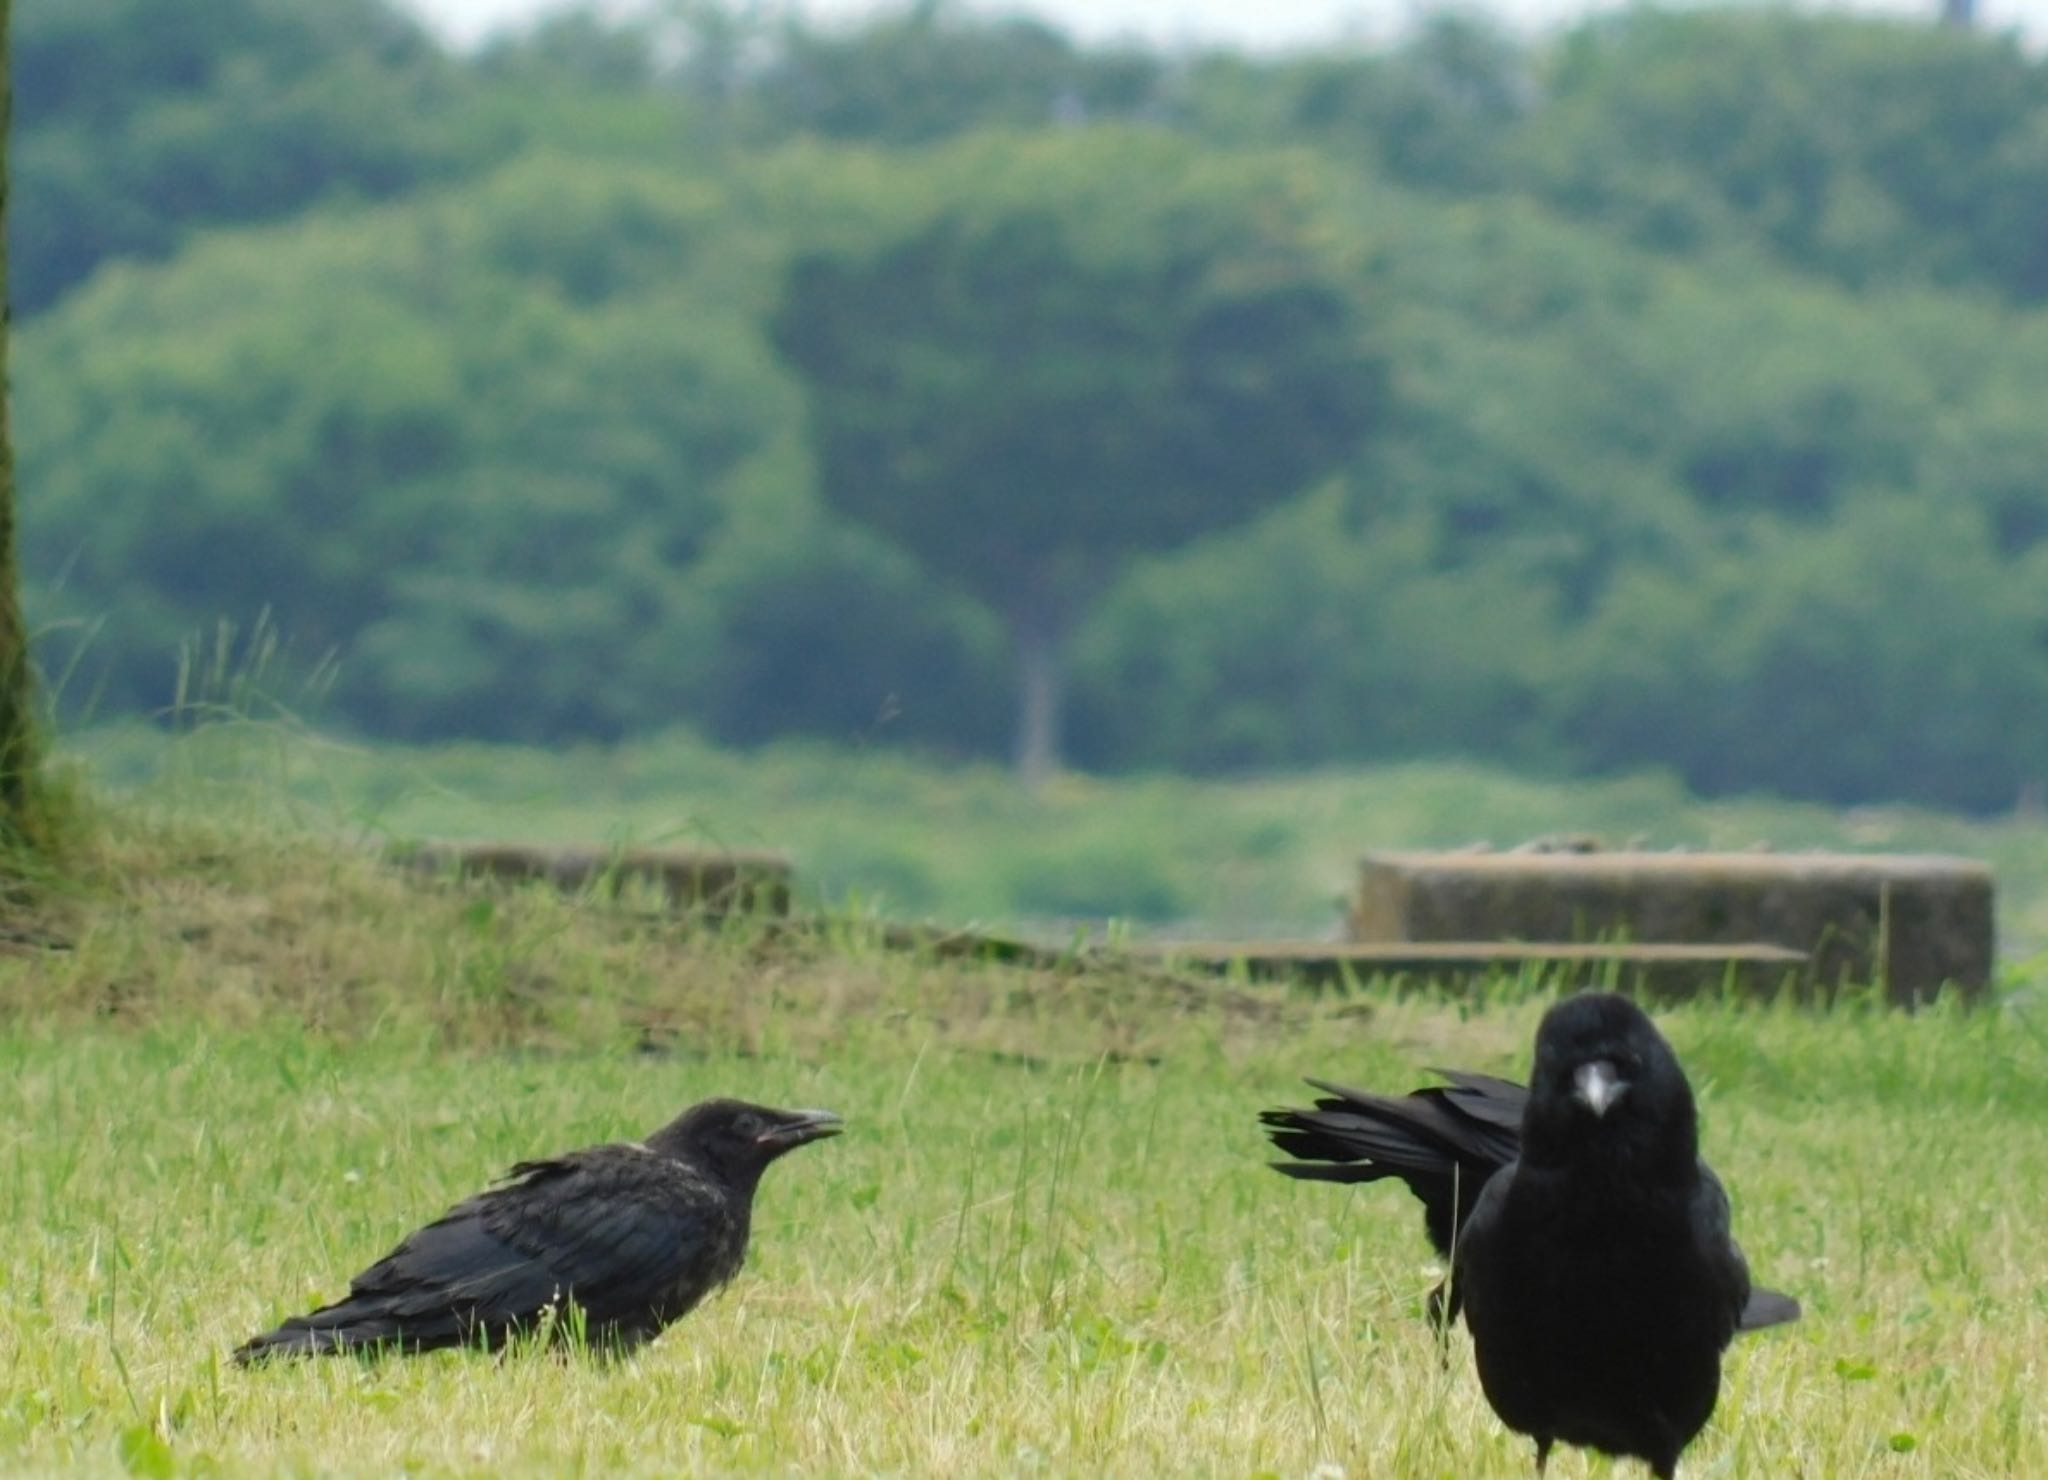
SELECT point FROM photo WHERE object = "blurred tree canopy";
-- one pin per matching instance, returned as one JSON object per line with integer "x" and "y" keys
{"x": 472, "y": 439}
{"x": 1049, "y": 328}
{"x": 1662, "y": 394}
{"x": 143, "y": 120}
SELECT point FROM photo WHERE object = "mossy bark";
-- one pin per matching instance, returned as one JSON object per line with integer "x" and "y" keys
{"x": 17, "y": 701}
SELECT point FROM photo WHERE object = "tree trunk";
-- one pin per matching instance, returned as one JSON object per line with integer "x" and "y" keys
{"x": 1040, "y": 692}
{"x": 17, "y": 717}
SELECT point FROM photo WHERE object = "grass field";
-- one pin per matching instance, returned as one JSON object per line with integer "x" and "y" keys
{"x": 1048, "y": 1243}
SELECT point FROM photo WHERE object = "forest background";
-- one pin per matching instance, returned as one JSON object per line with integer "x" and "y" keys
{"x": 1663, "y": 396}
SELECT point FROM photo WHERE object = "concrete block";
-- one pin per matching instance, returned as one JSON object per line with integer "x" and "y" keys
{"x": 707, "y": 882}
{"x": 1916, "y": 922}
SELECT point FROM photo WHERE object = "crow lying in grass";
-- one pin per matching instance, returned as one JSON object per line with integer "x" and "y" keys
{"x": 631, "y": 1235}
{"x": 1590, "y": 1245}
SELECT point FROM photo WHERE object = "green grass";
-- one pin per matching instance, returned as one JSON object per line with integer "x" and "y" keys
{"x": 1048, "y": 1243}
{"x": 962, "y": 843}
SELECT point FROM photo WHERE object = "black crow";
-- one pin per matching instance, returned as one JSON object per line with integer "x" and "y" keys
{"x": 632, "y": 1235}
{"x": 1444, "y": 1141}
{"x": 1596, "y": 1271}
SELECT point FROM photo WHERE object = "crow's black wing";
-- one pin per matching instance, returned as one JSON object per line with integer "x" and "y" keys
{"x": 1722, "y": 1270}
{"x": 621, "y": 1231}
{"x": 1443, "y": 1141}
{"x": 1481, "y": 1258}
{"x": 1489, "y": 1101}
{"x": 1755, "y": 1308}
{"x": 626, "y": 1231}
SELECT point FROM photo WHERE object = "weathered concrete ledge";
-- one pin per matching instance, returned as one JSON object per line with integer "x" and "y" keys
{"x": 1665, "y": 971}
{"x": 701, "y": 881}
{"x": 1912, "y": 922}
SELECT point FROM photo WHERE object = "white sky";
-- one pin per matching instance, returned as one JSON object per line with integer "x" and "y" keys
{"x": 1261, "y": 23}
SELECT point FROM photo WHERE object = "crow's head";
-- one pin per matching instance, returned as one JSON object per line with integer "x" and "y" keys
{"x": 1605, "y": 1083}
{"x": 740, "y": 1139}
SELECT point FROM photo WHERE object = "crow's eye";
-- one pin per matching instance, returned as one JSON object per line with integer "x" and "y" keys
{"x": 748, "y": 1125}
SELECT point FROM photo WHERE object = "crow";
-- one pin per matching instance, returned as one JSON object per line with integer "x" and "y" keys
{"x": 1444, "y": 1142}
{"x": 622, "y": 1238}
{"x": 1590, "y": 1246}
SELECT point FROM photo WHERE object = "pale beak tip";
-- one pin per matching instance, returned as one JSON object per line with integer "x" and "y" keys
{"x": 1597, "y": 1086}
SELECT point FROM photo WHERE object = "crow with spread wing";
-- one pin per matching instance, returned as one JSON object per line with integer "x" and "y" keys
{"x": 1590, "y": 1246}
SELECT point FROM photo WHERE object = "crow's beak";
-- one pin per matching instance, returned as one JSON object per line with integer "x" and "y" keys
{"x": 800, "y": 1128}
{"x": 1597, "y": 1086}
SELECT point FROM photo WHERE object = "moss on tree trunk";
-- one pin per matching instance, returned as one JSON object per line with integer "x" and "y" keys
{"x": 17, "y": 717}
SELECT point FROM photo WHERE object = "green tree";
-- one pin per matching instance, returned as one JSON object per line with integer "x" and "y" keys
{"x": 486, "y": 459}
{"x": 1890, "y": 654}
{"x": 143, "y": 119}
{"x": 1871, "y": 149}
{"x": 934, "y": 70}
{"x": 1068, "y": 350}
{"x": 1362, "y": 650}
{"x": 1436, "y": 111}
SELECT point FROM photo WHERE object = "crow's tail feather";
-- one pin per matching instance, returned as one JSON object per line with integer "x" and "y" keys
{"x": 1767, "y": 1308}
{"x": 356, "y": 1326}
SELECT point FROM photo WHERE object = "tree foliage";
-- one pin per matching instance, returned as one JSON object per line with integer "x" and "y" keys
{"x": 481, "y": 452}
{"x": 1662, "y": 394}
{"x": 142, "y": 121}
{"x": 1868, "y": 150}
{"x": 1066, "y": 351}
{"x": 930, "y": 72}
